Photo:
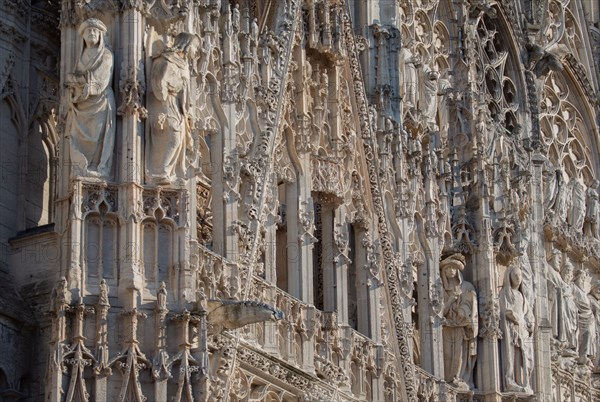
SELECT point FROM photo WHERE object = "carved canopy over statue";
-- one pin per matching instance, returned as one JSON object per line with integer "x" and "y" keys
{"x": 516, "y": 322}
{"x": 460, "y": 323}
{"x": 91, "y": 115}
{"x": 169, "y": 106}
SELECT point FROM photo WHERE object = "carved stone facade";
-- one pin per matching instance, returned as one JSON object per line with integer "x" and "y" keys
{"x": 299, "y": 200}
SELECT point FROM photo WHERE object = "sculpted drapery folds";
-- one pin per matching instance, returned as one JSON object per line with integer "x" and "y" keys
{"x": 592, "y": 211}
{"x": 91, "y": 115}
{"x": 409, "y": 63}
{"x": 563, "y": 310}
{"x": 516, "y": 322}
{"x": 169, "y": 107}
{"x": 569, "y": 313}
{"x": 588, "y": 346}
{"x": 594, "y": 297}
{"x": 460, "y": 323}
{"x": 578, "y": 198}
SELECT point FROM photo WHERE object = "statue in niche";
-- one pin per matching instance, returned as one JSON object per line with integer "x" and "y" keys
{"x": 91, "y": 115}
{"x": 429, "y": 99}
{"x": 567, "y": 320}
{"x": 169, "y": 107}
{"x": 444, "y": 88}
{"x": 460, "y": 325}
{"x": 409, "y": 62}
{"x": 549, "y": 183}
{"x": 555, "y": 286}
{"x": 103, "y": 294}
{"x": 577, "y": 210}
{"x": 561, "y": 206}
{"x": 516, "y": 322}
{"x": 591, "y": 211}
{"x": 588, "y": 346}
{"x": 527, "y": 286}
{"x": 594, "y": 297}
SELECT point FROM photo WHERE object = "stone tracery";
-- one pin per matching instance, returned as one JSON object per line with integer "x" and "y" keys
{"x": 331, "y": 176}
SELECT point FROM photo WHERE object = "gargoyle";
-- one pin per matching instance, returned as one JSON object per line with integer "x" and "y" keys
{"x": 231, "y": 314}
{"x": 543, "y": 60}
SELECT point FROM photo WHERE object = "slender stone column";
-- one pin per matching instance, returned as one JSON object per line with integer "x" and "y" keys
{"x": 542, "y": 335}
{"x": 429, "y": 303}
{"x": 130, "y": 170}
{"x": 484, "y": 278}
{"x": 270, "y": 266}
{"x": 327, "y": 263}
{"x": 301, "y": 214}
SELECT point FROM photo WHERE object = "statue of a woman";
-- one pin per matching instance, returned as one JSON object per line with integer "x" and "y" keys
{"x": 567, "y": 321}
{"x": 460, "y": 323}
{"x": 91, "y": 115}
{"x": 516, "y": 322}
{"x": 169, "y": 110}
{"x": 586, "y": 321}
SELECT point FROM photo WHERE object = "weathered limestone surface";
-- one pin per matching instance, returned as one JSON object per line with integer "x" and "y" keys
{"x": 299, "y": 200}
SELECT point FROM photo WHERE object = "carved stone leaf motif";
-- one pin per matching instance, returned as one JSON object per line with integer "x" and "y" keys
{"x": 490, "y": 319}
{"x": 162, "y": 203}
{"x": 99, "y": 198}
{"x": 204, "y": 222}
{"x": 7, "y": 63}
{"x": 132, "y": 87}
{"x": 163, "y": 15}
{"x": 327, "y": 176}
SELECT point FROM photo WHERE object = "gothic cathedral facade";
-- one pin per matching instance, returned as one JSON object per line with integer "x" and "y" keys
{"x": 299, "y": 200}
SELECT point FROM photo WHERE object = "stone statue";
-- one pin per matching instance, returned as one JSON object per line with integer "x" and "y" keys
{"x": 169, "y": 110}
{"x": 103, "y": 294}
{"x": 577, "y": 211}
{"x": 91, "y": 115}
{"x": 561, "y": 203}
{"x": 235, "y": 18}
{"x": 594, "y": 297}
{"x": 429, "y": 100}
{"x": 527, "y": 285}
{"x": 443, "y": 114}
{"x": 567, "y": 320}
{"x": 550, "y": 183}
{"x": 460, "y": 323}
{"x": 161, "y": 296}
{"x": 516, "y": 322}
{"x": 408, "y": 68}
{"x": 554, "y": 285}
{"x": 588, "y": 346}
{"x": 592, "y": 210}
{"x": 563, "y": 308}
